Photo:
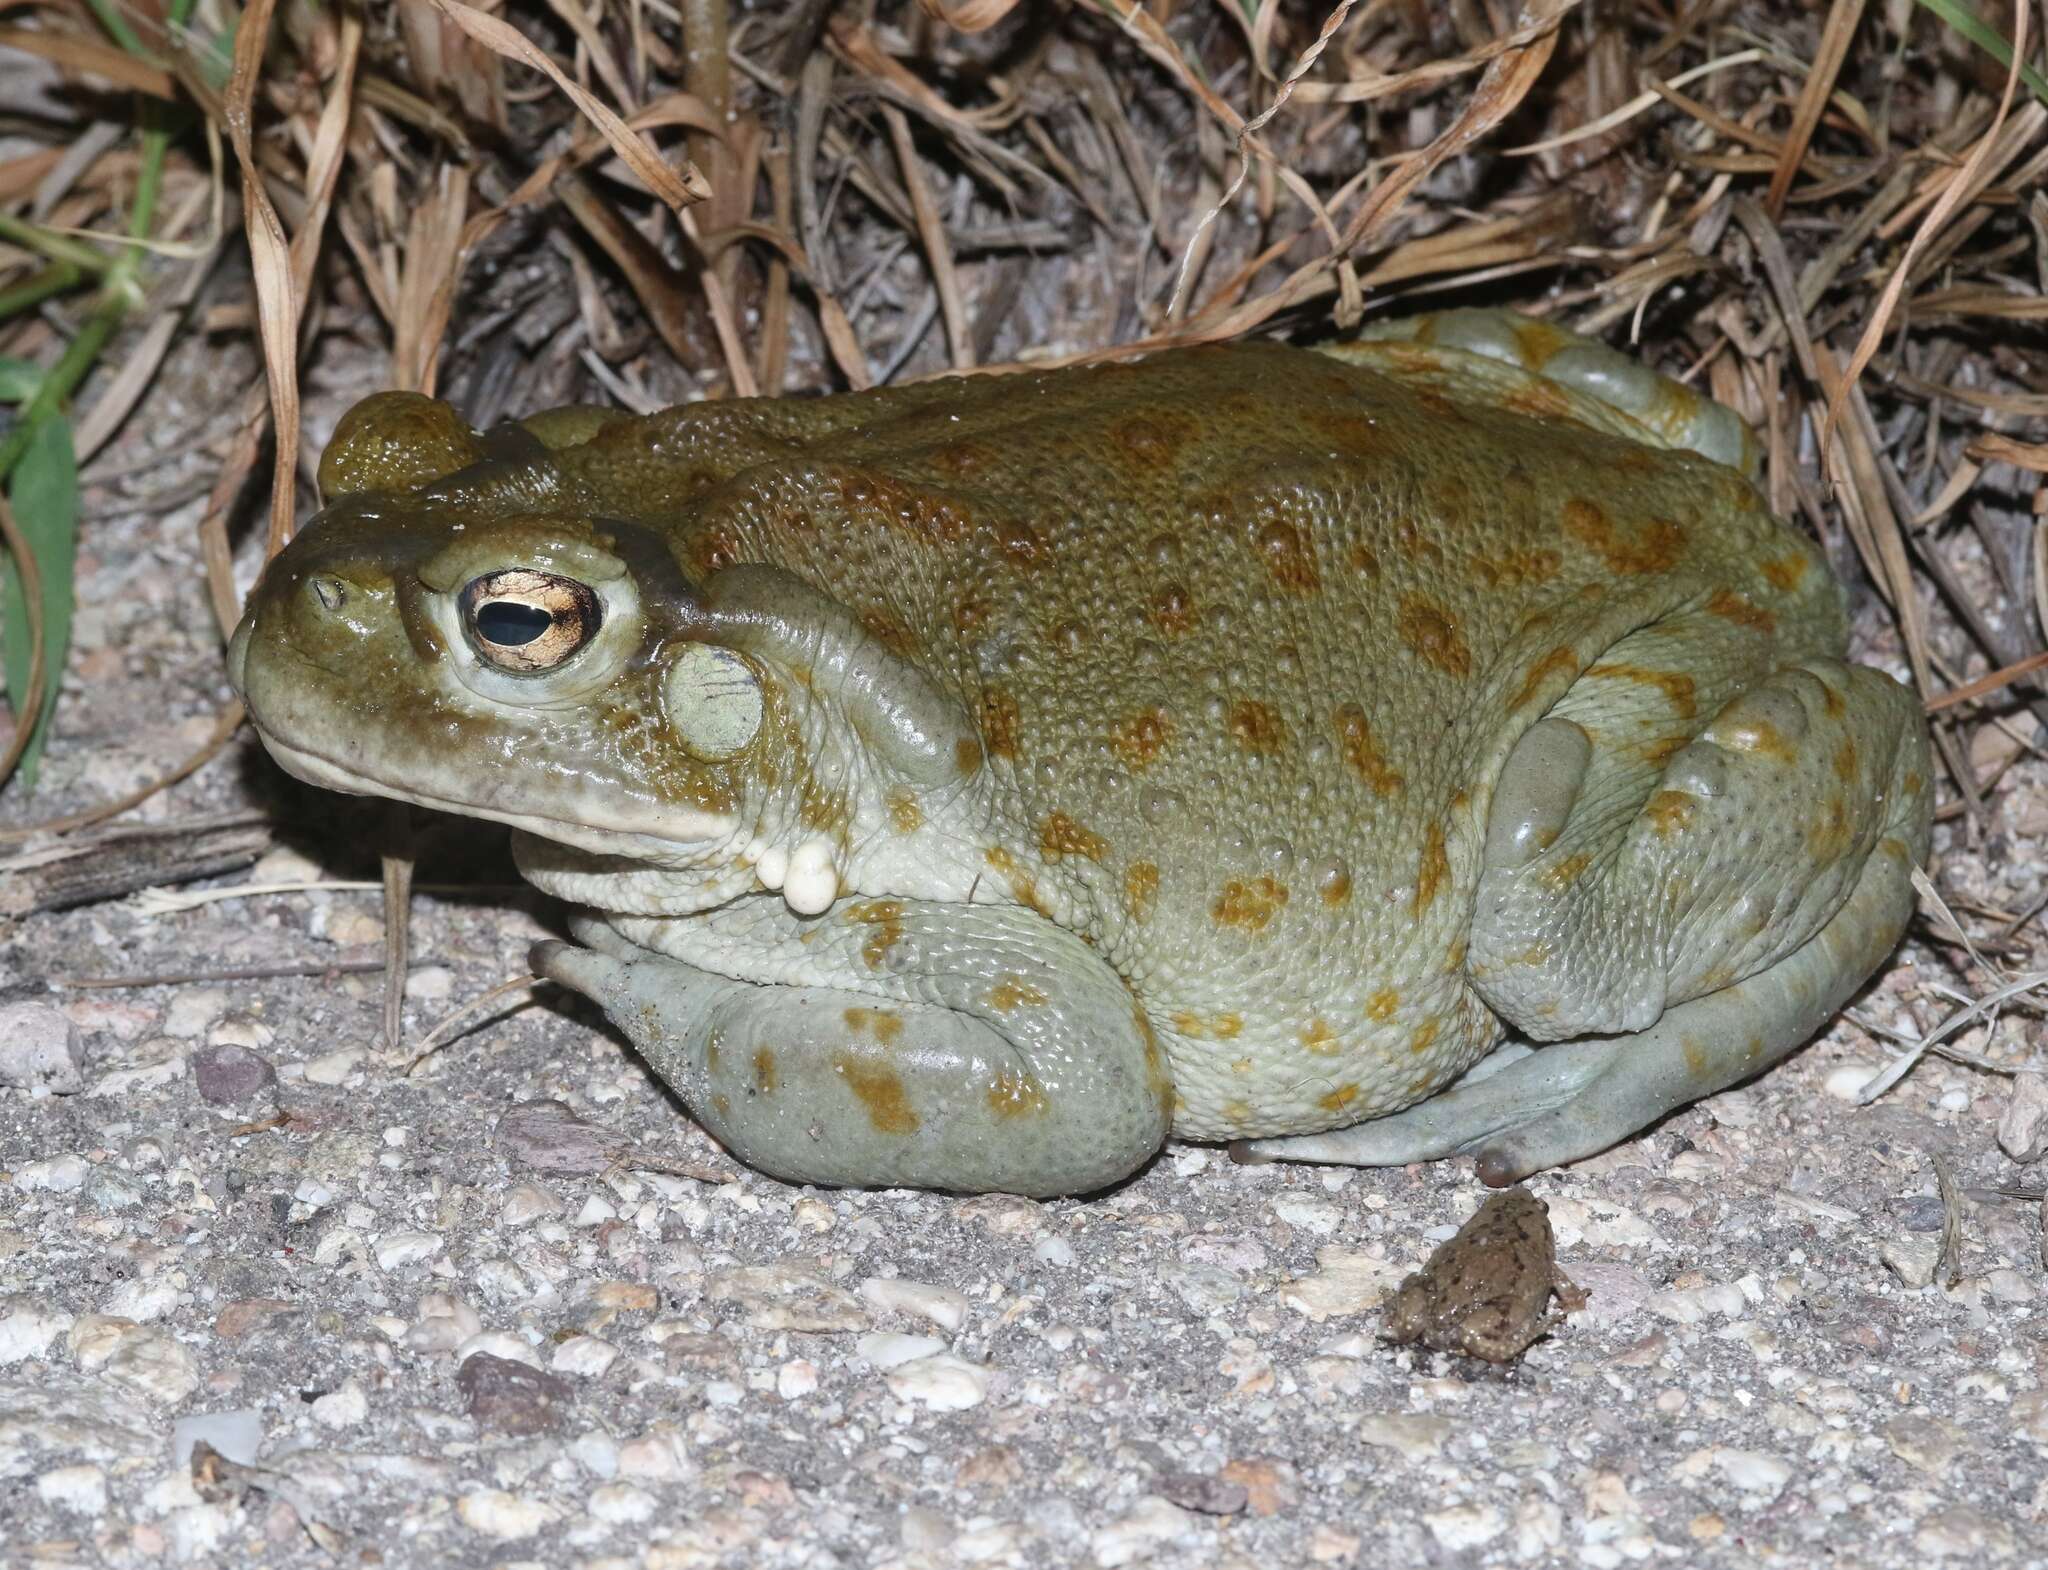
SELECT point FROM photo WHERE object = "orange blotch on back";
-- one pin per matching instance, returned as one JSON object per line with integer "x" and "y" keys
{"x": 1560, "y": 661}
{"x": 1256, "y": 728}
{"x": 1321, "y": 1040}
{"x": 1338, "y": 1099}
{"x": 1845, "y": 761}
{"x": 1060, "y": 836}
{"x": 999, "y": 723}
{"x": 1568, "y": 871}
{"x": 885, "y": 917}
{"x": 1424, "y": 1037}
{"x": 1015, "y": 1094}
{"x": 1786, "y": 572}
{"x": 1677, "y": 687}
{"x": 1141, "y": 737}
{"x": 1215, "y": 1027}
{"x": 1514, "y": 568}
{"x": 879, "y": 1090}
{"x": 1141, "y": 889}
{"x": 1172, "y": 609}
{"x": 1654, "y": 546}
{"x": 1288, "y": 557}
{"x": 1756, "y": 736}
{"x": 890, "y": 631}
{"x": 1354, "y": 741}
{"x": 869, "y": 493}
{"x": 1730, "y": 606}
{"x": 1433, "y": 871}
{"x": 1671, "y": 812}
{"x": 905, "y": 815}
{"x": 1431, "y": 632}
{"x": 1249, "y": 904}
{"x": 1152, "y": 440}
{"x": 1014, "y": 992}
{"x": 885, "y": 1024}
{"x": 1021, "y": 542}
{"x": 1381, "y": 1005}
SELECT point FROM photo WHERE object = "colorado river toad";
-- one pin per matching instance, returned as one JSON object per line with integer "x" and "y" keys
{"x": 969, "y": 784}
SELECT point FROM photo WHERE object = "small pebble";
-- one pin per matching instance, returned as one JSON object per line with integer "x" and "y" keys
{"x": 943, "y": 1306}
{"x": 332, "y": 1068}
{"x": 887, "y": 1349}
{"x": 395, "y": 1250}
{"x": 586, "y": 1356}
{"x": 40, "y": 1049}
{"x": 58, "y": 1175}
{"x": 942, "y": 1382}
{"x": 621, "y": 1504}
{"x": 82, "y": 1490}
{"x": 494, "y": 1513}
{"x": 548, "y": 1136}
{"x": 342, "y": 1408}
{"x": 2022, "y": 1128}
{"x": 192, "y": 1012}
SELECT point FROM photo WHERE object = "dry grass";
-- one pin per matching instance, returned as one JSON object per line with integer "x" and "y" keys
{"x": 1831, "y": 216}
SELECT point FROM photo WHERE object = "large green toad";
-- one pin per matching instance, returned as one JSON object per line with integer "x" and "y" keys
{"x": 971, "y": 784}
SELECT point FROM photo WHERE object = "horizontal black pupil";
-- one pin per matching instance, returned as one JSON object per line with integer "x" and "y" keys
{"x": 511, "y": 623}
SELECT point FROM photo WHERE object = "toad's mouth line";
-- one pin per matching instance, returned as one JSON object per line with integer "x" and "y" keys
{"x": 631, "y": 842}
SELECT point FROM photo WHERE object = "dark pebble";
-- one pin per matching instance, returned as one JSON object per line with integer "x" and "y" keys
{"x": 227, "y": 1074}
{"x": 509, "y": 1397}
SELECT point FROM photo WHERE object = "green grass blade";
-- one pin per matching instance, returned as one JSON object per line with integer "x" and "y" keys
{"x": 44, "y": 493}
{"x": 2000, "y": 49}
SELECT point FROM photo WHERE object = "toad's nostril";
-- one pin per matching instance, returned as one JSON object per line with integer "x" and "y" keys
{"x": 332, "y": 593}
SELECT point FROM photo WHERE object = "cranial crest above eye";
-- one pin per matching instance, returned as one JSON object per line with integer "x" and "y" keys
{"x": 396, "y": 441}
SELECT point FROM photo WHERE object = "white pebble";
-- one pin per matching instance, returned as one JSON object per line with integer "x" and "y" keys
{"x": 596, "y": 1452}
{"x": 79, "y": 1489}
{"x": 499, "y": 1343}
{"x": 444, "y": 1323}
{"x": 430, "y": 983}
{"x": 595, "y": 1212}
{"x": 941, "y": 1305}
{"x": 142, "y": 1299}
{"x": 28, "y": 1329}
{"x": 1053, "y": 1250}
{"x": 58, "y": 1175}
{"x": 1311, "y": 1215}
{"x": 589, "y": 1356}
{"x": 796, "y": 1379}
{"x": 491, "y": 1512}
{"x": 1848, "y": 1081}
{"x": 396, "y": 1249}
{"x": 191, "y": 1013}
{"x": 528, "y": 1202}
{"x": 1464, "y": 1527}
{"x": 621, "y": 1504}
{"x": 1753, "y": 1471}
{"x": 332, "y": 1068}
{"x": 40, "y": 1049}
{"x": 943, "y": 1382}
{"x": 887, "y": 1349}
{"x": 1137, "y": 1538}
{"x": 343, "y": 1407}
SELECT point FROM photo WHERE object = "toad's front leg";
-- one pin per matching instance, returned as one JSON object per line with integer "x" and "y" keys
{"x": 887, "y": 1042}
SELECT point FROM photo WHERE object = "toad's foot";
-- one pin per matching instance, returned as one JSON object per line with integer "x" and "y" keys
{"x": 973, "y": 1049}
{"x": 1743, "y": 949}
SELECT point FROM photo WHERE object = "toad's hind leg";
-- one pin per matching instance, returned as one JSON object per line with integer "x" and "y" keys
{"x": 978, "y": 1049}
{"x": 1743, "y": 902}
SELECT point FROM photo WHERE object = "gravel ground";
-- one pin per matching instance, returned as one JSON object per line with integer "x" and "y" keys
{"x": 513, "y": 1308}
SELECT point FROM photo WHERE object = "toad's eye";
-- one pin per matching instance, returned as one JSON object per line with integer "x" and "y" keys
{"x": 525, "y": 621}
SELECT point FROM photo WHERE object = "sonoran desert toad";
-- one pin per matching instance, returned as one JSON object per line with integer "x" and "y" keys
{"x": 970, "y": 784}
